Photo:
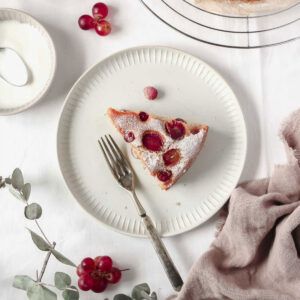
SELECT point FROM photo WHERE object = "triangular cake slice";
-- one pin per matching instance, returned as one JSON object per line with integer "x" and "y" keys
{"x": 166, "y": 147}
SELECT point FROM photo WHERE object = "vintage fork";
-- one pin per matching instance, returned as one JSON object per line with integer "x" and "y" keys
{"x": 123, "y": 173}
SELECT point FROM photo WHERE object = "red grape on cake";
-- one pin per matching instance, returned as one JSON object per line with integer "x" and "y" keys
{"x": 166, "y": 147}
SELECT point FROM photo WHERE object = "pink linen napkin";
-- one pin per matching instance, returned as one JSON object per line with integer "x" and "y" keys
{"x": 256, "y": 252}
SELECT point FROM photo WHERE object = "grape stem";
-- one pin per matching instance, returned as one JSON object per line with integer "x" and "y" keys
{"x": 124, "y": 270}
{"x": 45, "y": 263}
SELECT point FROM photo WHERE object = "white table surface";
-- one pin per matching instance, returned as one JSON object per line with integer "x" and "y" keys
{"x": 267, "y": 83}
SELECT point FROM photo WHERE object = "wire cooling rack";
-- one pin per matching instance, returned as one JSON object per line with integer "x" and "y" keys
{"x": 241, "y": 32}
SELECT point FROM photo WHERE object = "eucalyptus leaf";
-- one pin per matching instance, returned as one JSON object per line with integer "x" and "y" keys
{"x": 16, "y": 193}
{"x": 17, "y": 179}
{"x": 26, "y": 189}
{"x": 70, "y": 295}
{"x": 39, "y": 292}
{"x": 33, "y": 211}
{"x": 139, "y": 291}
{"x": 145, "y": 296}
{"x": 39, "y": 241}
{"x": 22, "y": 282}
{"x": 122, "y": 297}
{"x": 2, "y": 183}
{"x": 8, "y": 180}
{"x": 62, "y": 258}
{"x": 62, "y": 280}
{"x": 153, "y": 296}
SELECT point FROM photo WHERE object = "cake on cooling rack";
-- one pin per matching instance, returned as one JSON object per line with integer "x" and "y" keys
{"x": 243, "y": 7}
{"x": 167, "y": 148}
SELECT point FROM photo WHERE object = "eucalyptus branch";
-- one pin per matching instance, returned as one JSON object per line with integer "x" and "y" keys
{"x": 47, "y": 284}
{"x": 42, "y": 232}
{"x": 35, "y": 288}
{"x": 45, "y": 263}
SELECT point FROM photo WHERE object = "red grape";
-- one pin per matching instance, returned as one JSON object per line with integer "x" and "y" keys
{"x": 195, "y": 130}
{"x": 96, "y": 260}
{"x": 129, "y": 136}
{"x": 150, "y": 92}
{"x": 175, "y": 129}
{"x": 171, "y": 157}
{"x": 80, "y": 270}
{"x": 103, "y": 28}
{"x": 100, "y": 10}
{"x": 85, "y": 282}
{"x": 105, "y": 264}
{"x": 88, "y": 264}
{"x": 114, "y": 276}
{"x": 164, "y": 175}
{"x": 143, "y": 116}
{"x": 99, "y": 285}
{"x": 86, "y": 22}
{"x": 152, "y": 141}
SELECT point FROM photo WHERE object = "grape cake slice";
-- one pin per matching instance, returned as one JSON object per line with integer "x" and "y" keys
{"x": 243, "y": 7}
{"x": 167, "y": 148}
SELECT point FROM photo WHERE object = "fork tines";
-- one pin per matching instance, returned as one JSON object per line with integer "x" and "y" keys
{"x": 114, "y": 157}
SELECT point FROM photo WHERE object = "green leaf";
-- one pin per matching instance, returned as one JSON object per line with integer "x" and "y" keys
{"x": 8, "y": 180}
{"x": 16, "y": 193}
{"x": 62, "y": 258}
{"x": 26, "y": 189}
{"x": 33, "y": 211}
{"x": 70, "y": 295}
{"x": 153, "y": 296}
{"x": 122, "y": 297}
{"x": 39, "y": 241}
{"x": 39, "y": 292}
{"x": 62, "y": 280}
{"x": 138, "y": 292}
{"x": 17, "y": 179}
{"x": 22, "y": 282}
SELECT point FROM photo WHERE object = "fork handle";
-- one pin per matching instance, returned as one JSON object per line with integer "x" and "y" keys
{"x": 163, "y": 254}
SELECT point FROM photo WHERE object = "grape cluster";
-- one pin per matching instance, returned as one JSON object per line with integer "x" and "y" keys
{"x": 95, "y": 274}
{"x": 101, "y": 26}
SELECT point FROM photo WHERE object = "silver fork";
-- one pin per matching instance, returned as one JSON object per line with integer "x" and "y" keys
{"x": 123, "y": 173}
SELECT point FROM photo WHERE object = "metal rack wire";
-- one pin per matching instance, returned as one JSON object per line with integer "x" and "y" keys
{"x": 240, "y": 32}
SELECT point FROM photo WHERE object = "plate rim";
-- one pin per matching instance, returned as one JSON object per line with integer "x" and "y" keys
{"x": 244, "y": 129}
{"x": 44, "y": 91}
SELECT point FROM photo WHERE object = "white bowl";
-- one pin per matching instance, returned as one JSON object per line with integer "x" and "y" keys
{"x": 22, "y": 17}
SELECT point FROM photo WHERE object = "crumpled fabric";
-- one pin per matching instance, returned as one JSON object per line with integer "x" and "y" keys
{"x": 256, "y": 252}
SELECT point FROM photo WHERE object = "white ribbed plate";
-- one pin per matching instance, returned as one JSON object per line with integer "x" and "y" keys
{"x": 189, "y": 89}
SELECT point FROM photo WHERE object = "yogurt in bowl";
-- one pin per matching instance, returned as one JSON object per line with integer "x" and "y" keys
{"x": 31, "y": 41}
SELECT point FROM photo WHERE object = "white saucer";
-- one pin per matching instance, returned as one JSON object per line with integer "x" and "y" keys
{"x": 25, "y": 98}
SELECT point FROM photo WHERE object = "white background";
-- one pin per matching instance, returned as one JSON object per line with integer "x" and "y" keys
{"x": 267, "y": 83}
